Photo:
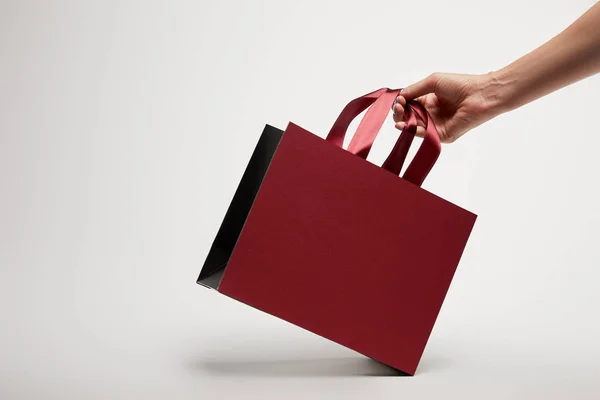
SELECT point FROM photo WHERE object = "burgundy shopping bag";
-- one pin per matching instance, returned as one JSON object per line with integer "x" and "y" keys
{"x": 323, "y": 238}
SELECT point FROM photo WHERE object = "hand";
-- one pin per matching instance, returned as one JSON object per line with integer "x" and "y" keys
{"x": 457, "y": 103}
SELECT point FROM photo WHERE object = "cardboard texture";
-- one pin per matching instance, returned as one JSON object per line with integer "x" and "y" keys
{"x": 320, "y": 237}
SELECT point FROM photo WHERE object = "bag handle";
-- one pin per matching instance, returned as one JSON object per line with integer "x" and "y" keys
{"x": 352, "y": 110}
{"x": 428, "y": 152}
{"x": 381, "y": 102}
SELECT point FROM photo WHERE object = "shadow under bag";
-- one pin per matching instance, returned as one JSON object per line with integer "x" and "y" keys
{"x": 320, "y": 237}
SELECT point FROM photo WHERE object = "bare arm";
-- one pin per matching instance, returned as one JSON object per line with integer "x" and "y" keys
{"x": 459, "y": 103}
{"x": 571, "y": 56}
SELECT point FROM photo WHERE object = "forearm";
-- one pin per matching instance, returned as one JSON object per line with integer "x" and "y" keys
{"x": 571, "y": 56}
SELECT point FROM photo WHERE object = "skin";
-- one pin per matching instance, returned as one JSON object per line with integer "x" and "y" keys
{"x": 460, "y": 102}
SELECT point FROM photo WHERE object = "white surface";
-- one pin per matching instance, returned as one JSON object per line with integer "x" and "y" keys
{"x": 125, "y": 126}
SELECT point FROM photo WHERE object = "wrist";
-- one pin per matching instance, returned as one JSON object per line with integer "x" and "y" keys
{"x": 498, "y": 92}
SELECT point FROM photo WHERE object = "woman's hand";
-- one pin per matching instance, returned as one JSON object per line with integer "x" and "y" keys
{"x": 457, "y": 103}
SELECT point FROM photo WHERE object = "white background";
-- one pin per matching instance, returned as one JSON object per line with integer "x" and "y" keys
{"x": 125, "y": 127}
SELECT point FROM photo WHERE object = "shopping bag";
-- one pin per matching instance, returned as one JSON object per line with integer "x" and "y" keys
{"x": 321, "y": 237}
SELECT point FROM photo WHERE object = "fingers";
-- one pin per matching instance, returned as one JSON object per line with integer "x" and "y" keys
{"x": 398, "y": 108}
{"x": 421, "y": 88}
{"x": 420, "y": 129}
{"x": 401, "y": 124}
{"x": 420, "y": 132}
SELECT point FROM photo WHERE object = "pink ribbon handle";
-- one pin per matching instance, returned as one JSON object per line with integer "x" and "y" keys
{"x": 380, "y": 102}
{"x": 352, "y": 110}
{"x": 428, "y": 152}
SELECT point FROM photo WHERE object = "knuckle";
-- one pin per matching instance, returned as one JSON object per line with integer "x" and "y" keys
{"x": 433, "y": 81}
{"x": 435, "y": 77}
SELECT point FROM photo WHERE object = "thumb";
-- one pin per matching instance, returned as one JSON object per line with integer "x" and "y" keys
{"x": 420, "y": 88}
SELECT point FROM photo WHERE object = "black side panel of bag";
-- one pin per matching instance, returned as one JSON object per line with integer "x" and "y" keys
{"x": 235, "y": 218}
